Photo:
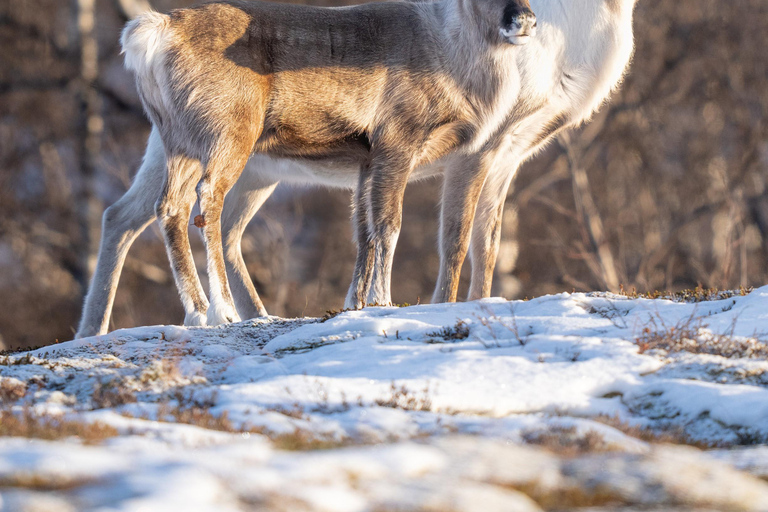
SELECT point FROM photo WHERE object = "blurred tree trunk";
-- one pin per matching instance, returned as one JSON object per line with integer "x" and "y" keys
{"x": 597, "y": 255}
{"x": 505, "y": 283}
{"x": 132, "y": 8}
{"x": 91, "y": 129}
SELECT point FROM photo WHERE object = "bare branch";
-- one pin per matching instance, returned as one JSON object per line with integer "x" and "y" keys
{"x": 589, "y": 217}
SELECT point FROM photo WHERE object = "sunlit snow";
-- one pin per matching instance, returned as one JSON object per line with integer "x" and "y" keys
{"x": 399, "y": 398}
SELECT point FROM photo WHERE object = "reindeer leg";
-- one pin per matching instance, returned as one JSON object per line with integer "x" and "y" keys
{"x": 121, "y": 224}
{"x": 461, "y": 189}
{"x": 361, "y": 278}
{"x": 241, "y": 204}
{"x": 173, "y": 210}
{"x": 486, "y": 233}
{"x": 221, "y": 172}
{"x": 385, "y": 216}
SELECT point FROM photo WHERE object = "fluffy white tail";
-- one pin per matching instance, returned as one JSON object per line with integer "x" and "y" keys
{"x": 144, "y": 43}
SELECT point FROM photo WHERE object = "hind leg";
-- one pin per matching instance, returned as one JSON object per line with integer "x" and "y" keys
{"x": 121, "y": 224}
{"x": 173, "y": 211}
{"x": 220, "y": 174}
{"x": 241, "y": 204}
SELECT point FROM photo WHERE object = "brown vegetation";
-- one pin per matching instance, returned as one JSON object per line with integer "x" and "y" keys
{"x": 201, "y": 416}
{"x": 571, "y": 497}
{"x": 666, "y": 435}
{"x": 691, "y": 335}
{"x": 697, "y": 294}
{"x": 11, "y": 390}
{"x": 112, "y": 394}
{"x": 568, "y": 441}
{"x": 458, "y": 332}
{"x": 28, "y": 423}
{"x": 400, "y": 397}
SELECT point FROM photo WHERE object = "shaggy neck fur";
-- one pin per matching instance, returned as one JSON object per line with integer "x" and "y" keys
{"x": 580, "y": 55}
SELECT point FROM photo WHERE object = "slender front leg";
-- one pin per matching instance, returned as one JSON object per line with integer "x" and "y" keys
{"x": 120, "y": 225}
{"x": 462, "y": 184}
{"x": 240, "y": 205}
{"x": 388, "y": 181}
{"x": 173, "y": 210}
{"x": 486, "y": 233}
{"x": 363, "y": 273}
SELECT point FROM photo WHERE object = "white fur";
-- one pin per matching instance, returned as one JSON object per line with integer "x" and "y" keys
{"x": 581, "y": 39}
{"x": 579, "y": 56}
{"x": 144, "y": 43}
{"x": 506, "y": 64}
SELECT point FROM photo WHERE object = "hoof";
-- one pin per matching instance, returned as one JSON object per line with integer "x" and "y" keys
{"x": 352, "y": 303}
{"x": 88, "y": 332}
{"x": 379, "y": 296}
{"x": 195, "y": 319}
{"x": 222, "y": 315}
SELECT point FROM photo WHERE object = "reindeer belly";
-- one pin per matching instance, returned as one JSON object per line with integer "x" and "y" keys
{"x": 320, "y": 172}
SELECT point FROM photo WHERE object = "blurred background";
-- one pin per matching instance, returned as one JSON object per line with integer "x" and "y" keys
{"x": 664, "y": 190}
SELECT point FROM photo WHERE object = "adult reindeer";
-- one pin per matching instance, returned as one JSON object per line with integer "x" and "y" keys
{"x": 557, "y": 81}
{"x": 381, "y": 87}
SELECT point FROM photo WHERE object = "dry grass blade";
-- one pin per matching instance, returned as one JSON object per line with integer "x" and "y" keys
{"x": 111, "y": 394}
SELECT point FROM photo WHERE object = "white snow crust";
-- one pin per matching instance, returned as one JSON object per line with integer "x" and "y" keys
{"x": 422, "y": 407}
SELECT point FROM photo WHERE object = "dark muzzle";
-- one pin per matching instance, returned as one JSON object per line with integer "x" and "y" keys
{"x": 518, "y": 24}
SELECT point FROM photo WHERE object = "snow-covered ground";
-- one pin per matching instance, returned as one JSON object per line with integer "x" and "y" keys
{"x": 490, "y": 405}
